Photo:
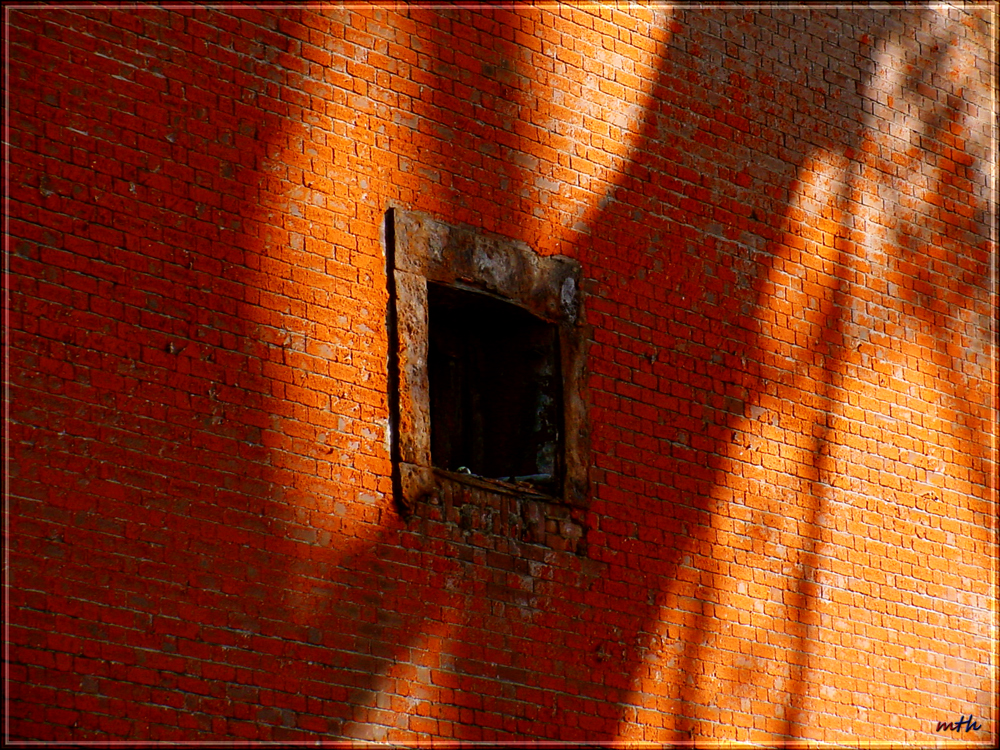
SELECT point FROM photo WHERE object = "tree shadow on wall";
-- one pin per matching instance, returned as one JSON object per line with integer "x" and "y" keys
{"x": 694, "y": 425}
{"x": 802, "y": 378}
{"x": 684, "y": 235}
{"x": 317, "y": 607}
{"x": 211, "y": 494}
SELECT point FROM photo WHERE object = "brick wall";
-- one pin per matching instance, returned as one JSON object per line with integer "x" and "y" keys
{"x": 784, "y": 219}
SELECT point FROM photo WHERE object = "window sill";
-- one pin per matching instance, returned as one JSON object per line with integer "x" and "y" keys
{"x": 496, "y": 485}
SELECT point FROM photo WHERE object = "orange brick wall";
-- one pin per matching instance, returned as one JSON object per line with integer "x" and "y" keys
{"x": 784, "y": 219}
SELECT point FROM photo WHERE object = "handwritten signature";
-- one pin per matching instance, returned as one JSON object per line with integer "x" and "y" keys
{"x": 956, "y": 726}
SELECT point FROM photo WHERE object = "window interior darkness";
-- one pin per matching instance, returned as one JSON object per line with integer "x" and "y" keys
{"x": 495, "y": 388}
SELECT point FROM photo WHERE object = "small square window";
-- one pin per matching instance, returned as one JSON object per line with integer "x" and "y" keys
{"x": 486, "y": 363}
{"x": 495, "y": 388}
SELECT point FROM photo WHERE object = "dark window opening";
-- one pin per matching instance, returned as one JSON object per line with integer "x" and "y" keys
{"x": 495, "y": 389}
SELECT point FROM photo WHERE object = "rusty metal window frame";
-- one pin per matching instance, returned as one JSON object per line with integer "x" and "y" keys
{"x": 422, "y": 249}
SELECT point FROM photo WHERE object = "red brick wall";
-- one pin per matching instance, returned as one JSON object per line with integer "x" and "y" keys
{"x": 784, "y": 221}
